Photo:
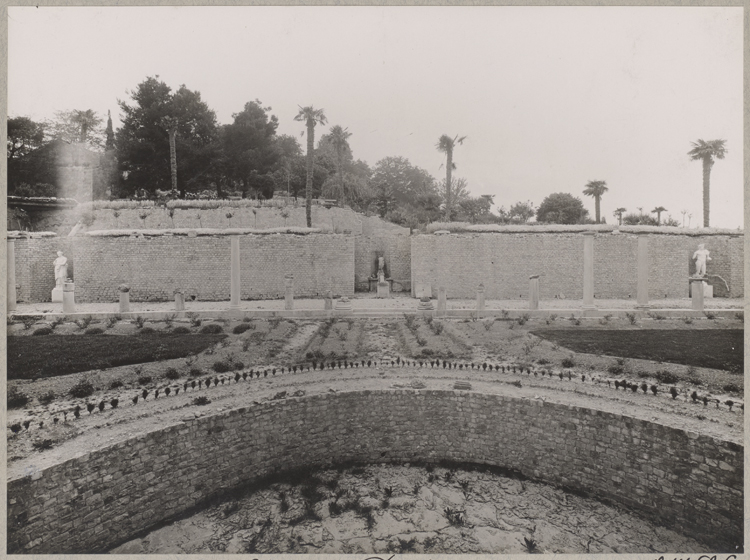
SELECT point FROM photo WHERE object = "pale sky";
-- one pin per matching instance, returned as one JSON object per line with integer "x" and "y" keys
{"x": 548, "y": 97}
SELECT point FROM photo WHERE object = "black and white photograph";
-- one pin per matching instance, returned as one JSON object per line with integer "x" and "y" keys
{"x": 373, "y": 281}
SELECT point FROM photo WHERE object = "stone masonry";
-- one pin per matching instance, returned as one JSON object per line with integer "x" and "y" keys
{"x": 689, "y": 482}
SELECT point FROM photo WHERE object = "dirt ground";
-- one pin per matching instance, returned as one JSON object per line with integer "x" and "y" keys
{"x": 49, "y": 433}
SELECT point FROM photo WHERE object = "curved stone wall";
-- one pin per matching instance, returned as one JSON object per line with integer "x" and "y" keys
{"x": 686, "y": 481}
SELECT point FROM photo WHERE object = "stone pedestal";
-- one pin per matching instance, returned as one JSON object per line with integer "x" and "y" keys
{"x": 57, "y": 294}
{"x": 11, "y": 276}
{"x": 534, "y": 292}
{"x": 442, "y": 303}
{"x": 328, "y": 301}
{"x": 588, "y": 270}
{"x": 423, "y": 289}
{"x": 343, "y": 306}
{"x": 425, "y": 306}
{"x": 642, "y": 302}
{"x": 179, "y": 302}
{"x": 289, "y": 292}
{"x": 69, "y": 300}
{"x": 696, "y": 293}
{"x": 480, "y": 300}
{"x": 124, "y": 302}
{"x": 235, "y": 272}
{"x": 384, "y": 290}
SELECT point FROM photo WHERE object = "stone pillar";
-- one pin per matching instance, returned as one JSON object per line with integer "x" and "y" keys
{"x": 480, "y": 300}
{"x": 588, "y": 270}
{"x": 442, "y": 302}
{"x": 343, "y": 306}
{"x": 642, "y": 302}
{"x": 534, "y": 292}
{"x": 289, "y": 292}
{"x": 328, "y": 301}
{"x": 124, "y": 302}
{"x": 179, "y": 302}
{"x": 235, "y": 282}
{"x": 69, "y": 301}
{"x": 11, "y": 276}
{"x": 696, "y": 290}
{"x": 425, "y": 306}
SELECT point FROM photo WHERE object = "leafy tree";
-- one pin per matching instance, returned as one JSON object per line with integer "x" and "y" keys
{"x": 24, "y": 136}
{"x": 250, "y": 150}
{"x": 522, "y": 211}
{"x": 110, "y": 134}
{"x": 561, "y": 208}
{"x": 397, "y": 184}
{"x": 476, "y": 209}
{"x": 618, "y": 214}
{"x": 143, "y": 141}
{"x": 658, "y": 210}
{"x": 706, "y": 151}
{"x": 639, "y": 220}
{"x": 311, "y": 117}
{"x": 78, "y": 126}
{"x": 596, "y": 189}
{"x": 446, "y": 144}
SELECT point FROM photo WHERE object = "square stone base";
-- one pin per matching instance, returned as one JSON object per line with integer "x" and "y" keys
{"x": 57, "y": 295}
{"x": 384, "y": 290}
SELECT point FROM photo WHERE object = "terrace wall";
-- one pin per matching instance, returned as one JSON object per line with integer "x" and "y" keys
{"x": 154, "y": 267}
{"x": 35, "y": 271}
{"x": 689, "y": 482}
{"x": 503, "y": 262}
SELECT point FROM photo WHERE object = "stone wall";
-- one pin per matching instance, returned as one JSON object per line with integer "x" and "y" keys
{"x": 689, "y": 482}
{"x": 503, "y": 262}
{"x": 154, "y": 267}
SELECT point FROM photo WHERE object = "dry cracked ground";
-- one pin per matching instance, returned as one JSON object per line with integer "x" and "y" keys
{"x": 470, "y": 511}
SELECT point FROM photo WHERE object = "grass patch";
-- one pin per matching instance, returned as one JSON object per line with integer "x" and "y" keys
{"x": 716, "y": 349}
{"x": 30, "y": 357}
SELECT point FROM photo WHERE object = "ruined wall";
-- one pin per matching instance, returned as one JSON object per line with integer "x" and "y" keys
{"x": 689, "y": 482}
{"x": 200, "y": 266}
{"x": 503, "y": 262}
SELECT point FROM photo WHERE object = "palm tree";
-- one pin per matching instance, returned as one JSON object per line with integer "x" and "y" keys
{"x": 596, "y": 189}
{"x": 618, "y": 214}
{"x": 339, "y": 140}
{"x": 658, "y": 210}
{"x": 310, "y": 116}
{"x": 446, "y": 144}
{"x": 706, "y": 151}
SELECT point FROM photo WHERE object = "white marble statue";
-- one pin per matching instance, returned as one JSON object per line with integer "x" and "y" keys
{"x": 61, "y": 269}
{"x": 381, "y": 269}
{"x": 701, "y": 257}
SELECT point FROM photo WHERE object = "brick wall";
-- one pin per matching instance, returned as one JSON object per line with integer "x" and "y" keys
{"x": 154, "y": 267}
{"x": 689, "y": 482}
{"x": 35, "y": 271}
{"x": 503, "y": 262}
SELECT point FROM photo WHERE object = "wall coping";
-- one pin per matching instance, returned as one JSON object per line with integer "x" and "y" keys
{"x": 454, "y": 228}
{"x": 199, "y": 232}
{"x": 30, "y": 234}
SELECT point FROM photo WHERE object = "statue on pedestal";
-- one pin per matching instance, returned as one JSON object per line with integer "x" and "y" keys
{"x": 61, "y": 269}
{"x": 701, "y": 257}
{"x": 381, "y": 269}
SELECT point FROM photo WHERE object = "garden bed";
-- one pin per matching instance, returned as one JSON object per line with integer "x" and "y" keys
{"x": 336, "y": 339}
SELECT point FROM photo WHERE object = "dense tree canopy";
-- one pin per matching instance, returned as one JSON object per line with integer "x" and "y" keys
{"x": 143, "y": 139}
{"x": 79, "y": 126}
{"x": 561, "y": 208}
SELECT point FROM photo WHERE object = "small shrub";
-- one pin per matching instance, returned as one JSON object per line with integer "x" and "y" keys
{"x": 43, "y": 445}
{"x": 568, "y": 362}
{"x": 201, "y": 401}
{"x": 531, "y": 546}
{"x": 666, "y": 377}
{"x": 82, "y": 389}
{"x": 94, "y": 330}
{"x": 169, "y": 319}
{"x": 116, "y": 384}
{"x": 195, "y": 372}
{"x": 274, "y": 322}
{"x": 632, "y": 317}
{"x": 523, "y": 319}
{"x": 42, "y": 331}
{"x": 29, "y": 322}
{"x": 487, "y": 324}
{"x": 542, "y": 361}
{"x": 437, "y": 327}
{"x": 242, "y": 327}
{"x": 421, "y": 341}
{"x": 455, "y": 517}
{"x": 731, "y": 388}
{"x": 172, "y": 373}
{"x": 47, "y": 397}
{"x": 139, "y": 322}
{"x": 16, "y": 398}
{"x": 146, "y": 331}
{"x": 687, "y": 320}
{"x": 181, "y": 330}
{"x": 57, "y": 322}
{"x": 504, "y": 313}
{"x": 615, "y": 369}
{"x": 740, "y": 316}
{"x": 212, "y": 329}
{"x": 144, "y": 380}
{"x": 710, "y": 315}
{"x": 222, "y": 366}
{"x": 194, "y": 320}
